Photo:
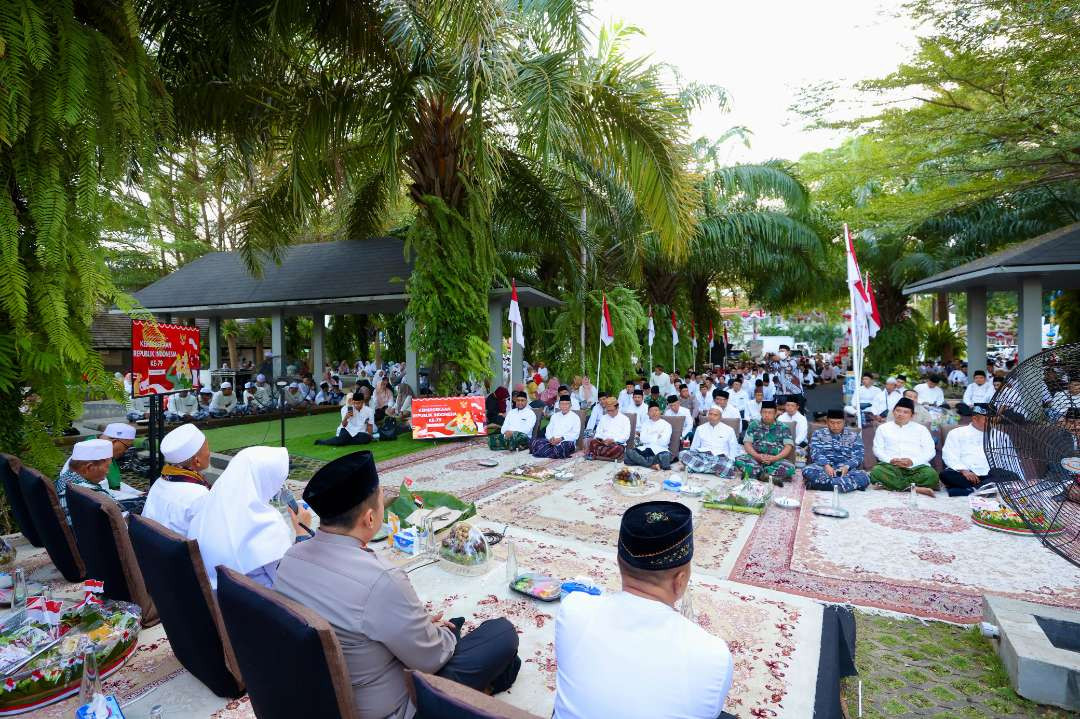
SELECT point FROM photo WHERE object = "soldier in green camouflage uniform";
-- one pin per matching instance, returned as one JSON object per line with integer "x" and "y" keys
{"x": 769, "y": 448}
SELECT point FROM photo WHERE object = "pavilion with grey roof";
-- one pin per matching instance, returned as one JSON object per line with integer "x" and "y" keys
{"x": 1047, "y": 262}
{"x": 313, "y": 280}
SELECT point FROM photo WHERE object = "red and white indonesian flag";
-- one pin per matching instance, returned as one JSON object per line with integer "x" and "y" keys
{"x": 875, "y": 316}
{"x": 652, "y": 327}
{"x": 674, "y": 329}
{"x": 607, "y": 330}
{"x": 712, "y": 336}
{"x": 861, "y": 305}
{"x": 35, "y": 608}
{"x": 517, "y": 328}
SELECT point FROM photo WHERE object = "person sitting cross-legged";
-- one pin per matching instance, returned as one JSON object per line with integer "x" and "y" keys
{"x": 183, "y": 407}
{"x": 223, "y": 403}
{"x": 517, "y": 426}
{"x": 630, "y": 654}
{"x": 769, "y": 448}
{"x": 612, "y": 432}
{"x": 797, "y": 420}
{"x": 357, "y": 423}
{"x": 88, "y": 466}
{"x": 836, "y": 456}
{"x": 714, "y": 447}
{"x": 381, "y": 624}
{"x": 964, "y": 455}
{"x": 654, "y": 438}
{"x": 561, "y": 434}
{"x": 904, "y": 449}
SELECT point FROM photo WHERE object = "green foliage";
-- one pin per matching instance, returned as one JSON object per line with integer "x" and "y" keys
{"x": 938, "y": 338}
{"x": 821, "y": 336}
{"x": 1067, "y": 310}
{"x": 80, "y": 109}
{"x": 628, "y": 318}
{"x": 894, "y": 345}
{"x": 344, "y": 338}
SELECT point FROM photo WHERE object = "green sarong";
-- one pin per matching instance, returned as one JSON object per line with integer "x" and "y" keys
{"x": 114, "y": 475}
{"x": 900, "y": 478}
{"x": 518, "y": 440}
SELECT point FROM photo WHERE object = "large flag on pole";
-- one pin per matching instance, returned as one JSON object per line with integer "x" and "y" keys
{"x": 674, "y": 329}
{"x": 607, "y": 330}
{"x": 712, "y": 336}
{"x": 874, "y": 320}
{"x": 517, "y": 329}
{"x": 652, "y": 328}
{"x": 860, "y": 304}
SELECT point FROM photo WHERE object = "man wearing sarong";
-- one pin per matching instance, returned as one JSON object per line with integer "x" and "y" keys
{"x": 769, "y": 448}
{"x": 904, "y": 449}
{"x": 836, "y": 456}
{"x": 714, "y": 448}
{"x": 561, "y": 434}
{"x": 654, "y": 439}
{"x": 612, "y": 433}
{"x": 517, "y": 428}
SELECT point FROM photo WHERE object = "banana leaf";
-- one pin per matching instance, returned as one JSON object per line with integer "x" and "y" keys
{"x": 405, "y": 505}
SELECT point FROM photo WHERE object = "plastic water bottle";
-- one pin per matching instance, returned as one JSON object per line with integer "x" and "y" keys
{"x": 511, "y": 562}
{"x": 157, "y": 712}
{"x": 18, "y": 589}
{"x": 91, "y": 680}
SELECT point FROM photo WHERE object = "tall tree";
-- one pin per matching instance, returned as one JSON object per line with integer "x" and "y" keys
{"x": 81, "y": 111}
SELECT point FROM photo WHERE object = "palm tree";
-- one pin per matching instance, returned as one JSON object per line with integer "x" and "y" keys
{"x": 473, "y": 109}
{"x": 231, "y": 331}
{"x": 257, "y": 333}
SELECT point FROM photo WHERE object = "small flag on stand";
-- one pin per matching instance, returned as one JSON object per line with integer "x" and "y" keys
{"x": 607, "y": 331}
{"x": 712, "y": 337}
{"x": 652, "y": 328}
{"x": 674, "y": 329}
{"x": 517, "y": 328}
{"x": 693, "y": 334}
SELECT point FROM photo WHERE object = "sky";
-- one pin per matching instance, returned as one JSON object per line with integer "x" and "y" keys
{"x": 762, "y": 52}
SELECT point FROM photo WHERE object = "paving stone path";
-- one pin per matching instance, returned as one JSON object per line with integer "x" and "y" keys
{"x": 914, "y": 669}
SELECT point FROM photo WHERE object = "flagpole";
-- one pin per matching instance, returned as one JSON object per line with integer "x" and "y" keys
{"x": 599, "y": 354}
{"x": 856, "y": 343}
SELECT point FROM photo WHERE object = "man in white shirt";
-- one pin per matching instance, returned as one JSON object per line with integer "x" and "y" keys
{"x": 904, "y": 450}
{"x": 517, "y": 427}
{"x": 721, "y": 400}
{"x": 224, "y": 402}
{"x": 1062, "y": 402}
{"x": 692, "y": 382}
{"x": 792, "y": 416}
{"x": 868, "y": 399}
{"x": 930, "y": 393}
{"x": 675, "y": 409}
{"x": 560, "y": 437}
{"x": 264, "y": 398}
{"x": 957, "y": 377}
{"x": 177, "y": 495}
{"x": 654, "y": 440}
{"x": 629, "y": 654}
{"x": 183, "y": 407}
{"x": 714, "y": 448}
{"x": 892, "y": 396}
{"x": 702, "y": 401}
{"x": 737, "y": 397}
{"x": 978, "y": 392}
{"x": 596, "y": 413}
{"x": 753, "y": 407}
{"x": 660, "y": 379}
{"x": 964, "y": 457}
{"x": 638, "y": 406}
{"x": 626, "y": 398}
{"x": 612, "y": 433}
{"x": 357, "y": 424}
{"x": 768, "y": 388}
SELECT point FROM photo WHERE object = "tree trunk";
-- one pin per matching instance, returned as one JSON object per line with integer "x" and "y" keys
{"x": 231, "y": 341}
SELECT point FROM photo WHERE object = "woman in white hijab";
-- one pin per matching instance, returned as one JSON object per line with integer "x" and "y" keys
{"x": 237, "y": 526}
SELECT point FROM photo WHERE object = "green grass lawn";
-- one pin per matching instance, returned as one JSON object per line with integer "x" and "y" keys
{"x": 300, "y": 436}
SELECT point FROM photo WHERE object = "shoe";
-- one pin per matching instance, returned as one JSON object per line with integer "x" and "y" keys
{"x": 778, "y": 481}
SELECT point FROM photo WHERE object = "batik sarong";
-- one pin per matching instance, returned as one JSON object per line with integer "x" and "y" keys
{"x": 518, "y": 440}
{"x": 598, "y": 449}
{"x": 646, "y": 458}
{"x": 814, "y": 477}
{"x": 540, "y": 447}
{"x": 706, "y": 462}
{"x": 783, "y": 469}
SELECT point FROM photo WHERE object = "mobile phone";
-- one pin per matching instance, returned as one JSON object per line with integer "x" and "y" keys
{"x": 287, "y": 497}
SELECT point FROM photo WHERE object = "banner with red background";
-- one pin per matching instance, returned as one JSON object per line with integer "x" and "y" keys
{"x": 444, "y": 417}
{"x": 164, "y": 358}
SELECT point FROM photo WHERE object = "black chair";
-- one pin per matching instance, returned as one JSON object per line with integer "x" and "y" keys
{"x": 276, "y": 639}
{"x": 10, "y": 469}
{"x": 102, "y": 536}
{"x": 175, "y": 577}
{"x": 438, "y": 698}
{"x": 49, "y": 520}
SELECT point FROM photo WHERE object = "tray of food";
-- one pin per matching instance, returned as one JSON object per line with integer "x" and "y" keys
{"x": 464, "y": 550}
{"x": 539, "y": 473}
{"x": 991, "y": 514}
{"x": 748, "y": 498}
{"x": 632, "y": 484}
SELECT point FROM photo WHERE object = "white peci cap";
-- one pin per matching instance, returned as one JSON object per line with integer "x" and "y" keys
{"x": 206, "y": 390}
{"x": 119, "y": 430}
{"x": 249, "y": 385}
{"x": 260, "y": 378}
{"x": 226, "y": 385}
{"x": 294, "y": 385}
{"x": 182, "y": 443}
{"x": 92, "y": 449}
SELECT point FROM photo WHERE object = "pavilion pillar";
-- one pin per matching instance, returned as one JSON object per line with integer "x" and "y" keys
{"x": 976, "y": 330}
{"x": 495, "y": 339}
{"x": 213, "y": 339}
{"x": 1030, "y": 329}
{"x": 277, "y": 341}
{"x": 412, "y": 367}
{"x": 318, "y": 344}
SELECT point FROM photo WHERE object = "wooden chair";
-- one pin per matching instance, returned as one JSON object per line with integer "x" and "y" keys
{"x": 289, "y": 656}
{"x": 10, "y": 470}
{"x": 675, "y": 445}
{"x": 437, "y": 698}
{"x": 105, "y": 546}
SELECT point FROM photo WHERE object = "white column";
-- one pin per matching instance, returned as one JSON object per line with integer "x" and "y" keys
{"x": 495, "y": 339}
{"x": 277, "y": 341}
{"x": 976, "y": 329}
{"x": 213, "y": 334}
{"x": 412, "y": 367}
{"x": 1030, "y": 329}
{"x": 318, "y": 351}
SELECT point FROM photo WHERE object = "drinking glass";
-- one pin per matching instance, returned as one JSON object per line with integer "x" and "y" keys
{"x": 18, "y": 588}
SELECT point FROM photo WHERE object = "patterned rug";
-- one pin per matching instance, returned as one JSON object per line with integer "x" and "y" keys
{"x": 774, "y": 641}
{"x": 931, "y": 561}
{"x": 588, "y": 509}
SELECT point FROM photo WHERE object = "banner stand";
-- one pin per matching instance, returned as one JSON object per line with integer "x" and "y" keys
{"x": 155, "y": 432}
